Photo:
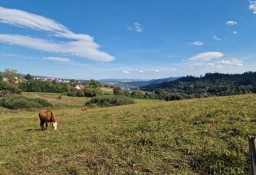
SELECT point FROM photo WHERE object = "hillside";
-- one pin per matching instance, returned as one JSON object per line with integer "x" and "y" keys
{"x": 212, "y": 84}
{"x": 182, "y": 137}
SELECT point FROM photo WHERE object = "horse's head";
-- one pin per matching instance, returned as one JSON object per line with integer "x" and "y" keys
{"x": 54, "y": 125}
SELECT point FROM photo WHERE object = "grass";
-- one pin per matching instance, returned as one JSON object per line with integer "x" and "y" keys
{"x": 145, "y": 101}
{"x": 53, "y": 98}
{"x": 107, "y": 91}
{"x": 193, "y": 137}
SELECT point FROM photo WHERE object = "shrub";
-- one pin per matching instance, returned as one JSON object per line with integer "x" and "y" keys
{"x": 80, "y": 93}
{"x": 92, "y": 92}
{"x": 174, "y": 97}
{"x": 110, "y": 100}
{"x": 137, "y": 94}
{"x": 89, "y": 92}
{"x": 20, "y": 102}
{"x": 72, "y": 93}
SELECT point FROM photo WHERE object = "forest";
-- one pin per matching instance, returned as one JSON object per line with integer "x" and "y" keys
{"x": 211, "y": 84}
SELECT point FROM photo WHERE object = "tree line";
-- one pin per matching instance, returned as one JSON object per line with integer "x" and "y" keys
{"x": 11, "y": 82}
{"x": 211, "y": 84}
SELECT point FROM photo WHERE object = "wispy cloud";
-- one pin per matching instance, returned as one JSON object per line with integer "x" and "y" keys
{"x": 235, "y": 32}
{"x": 126, "y": 72}
{"x": 197, "y": 43}
{"x": 137, "y": 27}
{"x": 225, "y": 63}
{"x": 156, "y": 70}
{"x": 81, "y": 45}
{"x": 233, "y": 62}
{"x": 231, "y": 23}
{"x": 252, "y": 6}
{"x": 8, "y": 55}
{"x": 57, "y": 59}
{"x": 141, "y": 71}
{"x": 216, "y": 38}
{"x": 207, "y": 56}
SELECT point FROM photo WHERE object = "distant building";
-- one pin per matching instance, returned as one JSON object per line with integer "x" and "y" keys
{"x": 80, "y": 86}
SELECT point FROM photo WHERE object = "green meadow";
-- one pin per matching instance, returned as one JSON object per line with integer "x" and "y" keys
{"x": 188, "y": 137}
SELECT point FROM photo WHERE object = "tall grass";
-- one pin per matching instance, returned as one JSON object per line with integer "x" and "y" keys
{"x": 201, "y": 136}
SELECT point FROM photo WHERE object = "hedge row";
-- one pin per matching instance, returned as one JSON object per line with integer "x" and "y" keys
{"x": 20, "y": 102}
{"x": 109, "y": 100}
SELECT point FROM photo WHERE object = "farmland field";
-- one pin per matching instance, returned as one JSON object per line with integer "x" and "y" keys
{"x": 200, "y": 136}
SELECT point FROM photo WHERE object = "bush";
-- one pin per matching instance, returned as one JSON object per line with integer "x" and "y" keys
{"x": 72, "y": 93}
{"x": 137, "y": 94}
{"x": 20, "y": 102}
{"x": 80, "y": 93}
{"x": 110, "y": 100}
{"x": 172, "y": 97}
{"x": 92, "y": 92}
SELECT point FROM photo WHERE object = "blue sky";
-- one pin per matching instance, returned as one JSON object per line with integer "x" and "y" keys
{"x": 137, "y": 39}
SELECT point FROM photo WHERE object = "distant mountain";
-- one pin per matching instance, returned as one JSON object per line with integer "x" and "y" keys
{"x": 135, "y": 83}
{"x": 119, "y": 80}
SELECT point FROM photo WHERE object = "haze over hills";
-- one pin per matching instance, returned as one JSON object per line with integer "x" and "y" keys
{"x": 124, "y": 83}
{"x": 135, "y": 83}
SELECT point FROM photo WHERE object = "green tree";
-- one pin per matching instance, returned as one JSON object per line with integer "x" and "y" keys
{"x": 28, "y": 77}
{"x": 137, "y": 94}
{"x": 12, "y": 76}
{"x": 118, "y": 91}
{"x": 89, "y": 92}
{"x": 1, "y": 77}
{"x": 80, "y": 93}
{"x": 127, "y": 93}
{"x": 94, "y": 84}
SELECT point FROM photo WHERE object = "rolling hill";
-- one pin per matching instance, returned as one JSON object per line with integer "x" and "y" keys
{"x": 192, "y": 137}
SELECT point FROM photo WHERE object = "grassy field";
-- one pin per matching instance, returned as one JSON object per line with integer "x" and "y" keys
{"x": 201, "y": 136}
{"x": 146, "y": 101}
{"x": 107, "y": 91}
{"x": 54, "y": 99}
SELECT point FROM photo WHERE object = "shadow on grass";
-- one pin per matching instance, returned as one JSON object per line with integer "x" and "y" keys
{"x": 29, "y": 130}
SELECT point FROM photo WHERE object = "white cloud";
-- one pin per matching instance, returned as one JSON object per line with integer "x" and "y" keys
{"x": 81, "y": 45}
{"x": 231, "y": 23}
{"x": 198, "y": 43}
{"x": 207, "y": 56}
{"x": 252, "y": 6}
{"x": 126, "y": 72}
{"x": 8, "y": 55}
{"x": 137, "y": 27}
{"x": 57, "y": 59}
{"x": 156, "y": 70}
{"x": 75, "y": 48}
{"x": 29, "y": 20}
{"x": 141, "y": 71}
{"x": 216, "y": 38}
{"x": 226, "y": 63}
{"x": 233, "y": 62}
{"x": 235, "y": 32}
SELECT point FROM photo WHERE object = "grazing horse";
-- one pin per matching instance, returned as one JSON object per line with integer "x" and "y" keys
{"x": 47, "y": 116}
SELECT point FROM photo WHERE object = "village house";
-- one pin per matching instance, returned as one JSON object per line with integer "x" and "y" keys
{"x": 80, "y": 87}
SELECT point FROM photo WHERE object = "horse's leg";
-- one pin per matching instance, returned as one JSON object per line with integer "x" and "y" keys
{"x": 46, "y": 124}
{"x": 42, "y": 124}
